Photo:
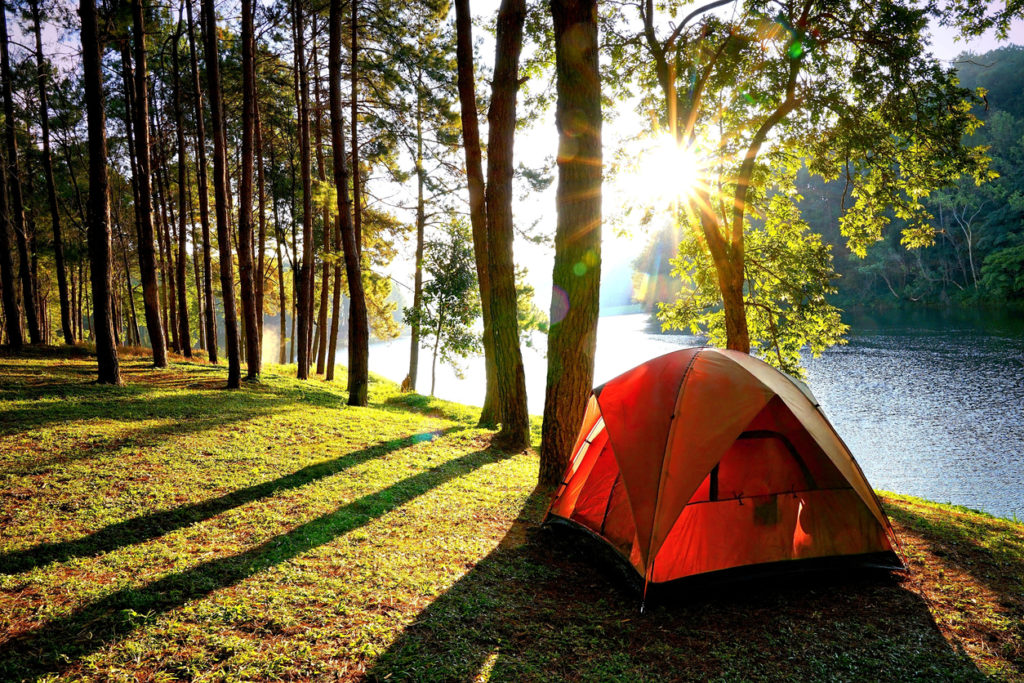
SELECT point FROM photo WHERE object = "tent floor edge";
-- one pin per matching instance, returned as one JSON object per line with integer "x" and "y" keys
{"x": 707, "y": 586}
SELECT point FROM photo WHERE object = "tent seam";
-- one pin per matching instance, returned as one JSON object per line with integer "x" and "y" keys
{"x": 649, "y": 569}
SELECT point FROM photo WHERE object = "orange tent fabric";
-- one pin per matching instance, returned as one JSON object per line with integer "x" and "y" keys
{"x": 704, "y": 460}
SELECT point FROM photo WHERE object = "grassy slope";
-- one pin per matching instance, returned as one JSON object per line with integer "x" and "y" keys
{"x": 170, "y": 529}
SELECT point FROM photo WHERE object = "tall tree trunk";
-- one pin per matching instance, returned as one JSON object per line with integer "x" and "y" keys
{"x": 158, "y": 228}
{"x": 164, "y": 226}
{"x": 136, "y": 336}
{"x": 357, "y": 197}
{"x": 109, "y": 371}
{"x": 71, "y": 274}
{"x": 127, "y": 81}
{"x": 282, "y": 356}
{"x": 305, "y": 296}
{"x": 728, "y": 260}
{"x": 220, "y": 191}
{"x": 184, "y": 334}
{"x": 261, "y": 245}
{"x": 359, "y": 332}
{"x": 332, "y": 352}
{"x": 294, "y": 250}
{"x": 16, "y": 208}
{"x": 81, "y": 294}
{"x": 252, "y": 334}
{"x": 210, "y": 319}
{"x": 282, "y": 346}
{"x": 421, "y": 219}
{"x": 321, "y": 355}
{"x": 433, "y": 363}
{"x": 572, "y": 336}
{"x": 147, "y": 259}
{"x": 12, "y": 312}
{"x": 515, "y": 420}
{"x": 197, "y": 270}
{"x": 51, "y": 188}
{"x": 489, "y": 416}
{"x": 33, "y": 251}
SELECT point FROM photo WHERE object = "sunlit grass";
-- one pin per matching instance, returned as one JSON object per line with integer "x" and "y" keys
{"x": 170, "y": 529}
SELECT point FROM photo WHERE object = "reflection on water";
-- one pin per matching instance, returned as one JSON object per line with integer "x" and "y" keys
{"x": 931, "y": 404}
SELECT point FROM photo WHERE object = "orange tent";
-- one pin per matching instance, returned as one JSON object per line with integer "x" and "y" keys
{"x": 705, "y": 460}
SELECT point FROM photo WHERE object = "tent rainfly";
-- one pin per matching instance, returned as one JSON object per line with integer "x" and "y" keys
{"x": 711, "y": 463}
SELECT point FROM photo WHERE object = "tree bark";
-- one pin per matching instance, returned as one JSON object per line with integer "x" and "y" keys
{"x": 12, "y": 312}
{"x": 109, "y": 371}
{"x": 421, "y": 220}
{"x": 147, "y": 259}
{"x": 79, "y": 327}
{"x": 252, "y": 334}
{"x": 51, "y": 187}
{"x": 197, "y": 270}
{"x": 332, "y": 351}
{"x": 184, "y": 333}
{"x": 261, "y": 245}
{"x": 433, "y": 362}
{"x": 136, "y": 336}
{"x": 489, "y": 416}
{"x": 220, "y": 191}
{"x": 572, "y": 336}
{"x": 294, "y": 244}
{"x": 321, "y": 355}
{"x": 728, "y": 260}
{"x": 81, "y": 295}
{"x": 357, "y": 198}
{"x": 164, "y": 227}
{"x": 33, "y": 252}
{"x": 305, "y": 296}
{"x": 16, "y": 208}
{"x": 358, "y": 331}
{"x": 282, "y": 355}
{"x": 210, "y": 318}
{"x": 515, "y": 425}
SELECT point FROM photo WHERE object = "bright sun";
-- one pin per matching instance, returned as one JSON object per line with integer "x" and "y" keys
{"x": 665, "y": 171}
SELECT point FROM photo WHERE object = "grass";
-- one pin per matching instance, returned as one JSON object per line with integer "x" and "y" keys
{"x": 171, "y": 530}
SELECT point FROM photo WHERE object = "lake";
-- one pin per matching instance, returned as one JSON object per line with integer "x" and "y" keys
{"x": 930, "y": 402}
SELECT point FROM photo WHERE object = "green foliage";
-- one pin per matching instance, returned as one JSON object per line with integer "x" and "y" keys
{"x": 996, "y": 75}
{"x": 381, "y": 231}
{"x": 974, "y": 18}
{"x": 847, "y": 88}
{"x": 529, "y": 316}
{"x": 788, "y": 277}
{"x": 966, "y": 223}
{"x": 1003, "y": 272}
{"x": 451, "y": 298}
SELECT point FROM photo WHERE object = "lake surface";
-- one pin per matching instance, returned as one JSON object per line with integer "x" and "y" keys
{"x": 931, "y": 403}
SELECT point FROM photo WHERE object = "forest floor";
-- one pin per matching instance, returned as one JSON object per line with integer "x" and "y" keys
{"x": 170, "y": 529}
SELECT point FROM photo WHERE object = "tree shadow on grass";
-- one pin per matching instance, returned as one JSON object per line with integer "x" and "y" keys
{"x": 104, "y": 445}
{"x": 74, "y": 396}
{"x": 989, "y": 552}
{"x": 78, "y": 380}
{"x": 54, "y": 647}
{"x": 987, "y": 548}
{"x": 146, "y": 527}
{"x": 539, "y": 607}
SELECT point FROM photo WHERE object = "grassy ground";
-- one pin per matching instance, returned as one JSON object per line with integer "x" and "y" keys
{"x": 170, "y": 529}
